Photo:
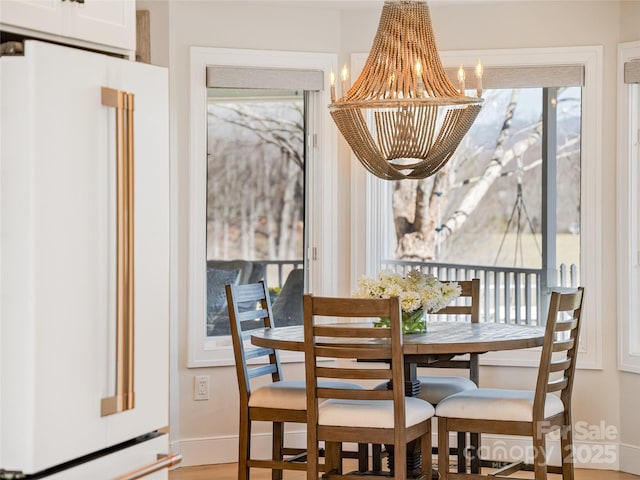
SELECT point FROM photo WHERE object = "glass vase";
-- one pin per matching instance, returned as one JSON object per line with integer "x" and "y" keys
{"x": 412, "y": 322}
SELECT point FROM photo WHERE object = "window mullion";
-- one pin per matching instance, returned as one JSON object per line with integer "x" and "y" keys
{"x": 549, "y": 197}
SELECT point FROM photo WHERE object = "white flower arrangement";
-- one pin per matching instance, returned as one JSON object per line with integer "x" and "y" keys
{"x": 418, "y": 293}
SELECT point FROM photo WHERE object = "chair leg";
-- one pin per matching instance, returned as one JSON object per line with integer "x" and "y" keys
{"x": 244, "y": 445}
{"x": 566, "y": 441}
{"x": 333, "y": 457}
{"x": 462, "y": 446}
{"x": 539, "y": 456}
{"x": 475, "y": 452}
{"x": 425, "y": 448}
{"x": 376, "y": 457}
{"x": 276, "y": 446}
{"x": 443, "y": 449}
{"x": 313, "y": 454}
{"x": 400, "y": 461}
{"x": 363, "y": 457}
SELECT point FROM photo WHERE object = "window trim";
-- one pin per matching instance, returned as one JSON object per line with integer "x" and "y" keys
{"x": 322, "y": 182}
{"x": 364, "y": 187}
{"x": 628, "y": 183}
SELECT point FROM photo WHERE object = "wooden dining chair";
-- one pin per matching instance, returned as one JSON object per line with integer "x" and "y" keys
{"x": 525, "y": 413}
{"x": 366, "y": 415}
{"x": 435, "y": 388}
{"x": 279, "y": 401}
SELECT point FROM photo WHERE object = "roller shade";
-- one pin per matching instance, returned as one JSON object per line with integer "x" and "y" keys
{"x": 523, "y": 77}
{"x": 632, "y": 71}
{"x": 272, "y": 78}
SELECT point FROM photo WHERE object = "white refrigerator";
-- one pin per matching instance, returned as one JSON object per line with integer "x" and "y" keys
{"x": 84, "y": 259}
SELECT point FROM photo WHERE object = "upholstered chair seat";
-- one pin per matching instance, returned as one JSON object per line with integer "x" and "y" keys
{"x": 496, "y": 404}
{"x": 372, "y": 413}
{"x": 291, "y": 394}
{"x": 434, "y": 389}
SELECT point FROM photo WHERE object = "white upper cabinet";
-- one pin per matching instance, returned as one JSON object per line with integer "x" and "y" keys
{"x": 107, "y": 23}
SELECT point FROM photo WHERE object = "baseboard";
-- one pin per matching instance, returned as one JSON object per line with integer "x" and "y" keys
{"x": 213, "y": 450}
{"x": 630, "y": 459}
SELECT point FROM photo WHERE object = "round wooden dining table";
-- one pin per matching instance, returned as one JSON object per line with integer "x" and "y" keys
{"x": 441, "y": 338}
{"x": 441, "y": 341}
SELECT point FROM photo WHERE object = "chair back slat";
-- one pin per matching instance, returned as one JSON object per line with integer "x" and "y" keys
{"x": 257, "y": 352}
{"x": 261, "y": 370}
{"x": 354, "y": 394}
{"x": 563, "y": 345}
{"x": 348, "y": 307}
{"x": 252, "y": 315}
{"x": 249, "y": 309}
{"x": 565, "y": 325}
{"x": 560, "y": 365}
{"x": 454, "y": 310}
{"x": 347, "y": 352}
{"x": 569, "y": 303}
{"x": 349, "y": 373}
{"x": 557, "y": 385}
{"x": 348, "y": 331}
{"x": 469, "y": 289}
{"x": 363, "y": 373}
{"x": 249, "y": 293}
{"x": 561, "y": 340}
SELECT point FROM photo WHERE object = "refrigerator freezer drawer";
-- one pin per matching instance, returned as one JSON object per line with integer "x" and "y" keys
{"x": 124, "y": 464}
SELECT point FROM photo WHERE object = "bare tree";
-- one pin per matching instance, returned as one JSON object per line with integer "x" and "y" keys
{"x": 261, "y": 148}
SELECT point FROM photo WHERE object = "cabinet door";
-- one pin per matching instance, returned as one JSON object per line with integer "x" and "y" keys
{"x": 41, "y": 15}
{"x": 107, "y": 22}
{"x": 110, "y": 23}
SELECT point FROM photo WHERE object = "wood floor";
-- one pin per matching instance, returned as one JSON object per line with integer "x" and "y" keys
{"x": 228, "y": 471}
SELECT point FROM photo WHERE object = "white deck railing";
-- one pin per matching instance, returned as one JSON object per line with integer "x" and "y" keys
{"x": 509, "y": 294}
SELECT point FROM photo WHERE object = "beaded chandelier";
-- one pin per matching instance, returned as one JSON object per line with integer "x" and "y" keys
{"x": 402, "y": 117}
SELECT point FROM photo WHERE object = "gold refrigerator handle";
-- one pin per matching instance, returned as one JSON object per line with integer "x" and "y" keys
{"x": 164, "y": 461}
{"x": 124, "y": 398}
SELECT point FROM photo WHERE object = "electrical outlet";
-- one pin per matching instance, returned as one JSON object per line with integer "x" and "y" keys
{"x": 201, "y": 387}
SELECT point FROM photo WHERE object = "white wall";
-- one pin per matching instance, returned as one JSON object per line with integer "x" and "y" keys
{"x": 599, "y": 395}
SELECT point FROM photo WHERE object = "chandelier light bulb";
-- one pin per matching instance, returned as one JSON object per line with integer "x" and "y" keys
{"x": 479, "y": 71}
{"x": 332, "y": 83}
{"x": 461, "y": 77}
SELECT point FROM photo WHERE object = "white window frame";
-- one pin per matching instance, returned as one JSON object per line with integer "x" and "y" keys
{"x": 321, "y": 184}
{"x": 368, "y": 192}
{"x": 628, "y": 208}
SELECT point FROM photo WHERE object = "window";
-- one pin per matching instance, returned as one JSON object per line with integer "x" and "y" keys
{"x": 261, "y": 75}
{"x": 528, "y": 186}
{"x": 255, "y": 198}
{"x": 629, "y": 206}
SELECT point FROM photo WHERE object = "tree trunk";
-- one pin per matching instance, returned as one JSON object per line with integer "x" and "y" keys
{"x": 500, "y": 158}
